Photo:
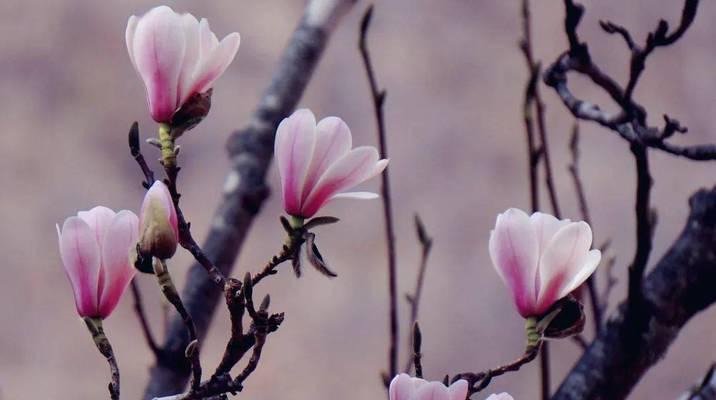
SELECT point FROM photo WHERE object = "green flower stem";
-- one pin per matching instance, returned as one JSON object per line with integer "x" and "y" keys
{"x": 94, "y": 325}
{"x": 166, "y": 142}
{"x": 172, "y": 295}
{"x": 296, "y": 222}
{"x": 534, "y": 336}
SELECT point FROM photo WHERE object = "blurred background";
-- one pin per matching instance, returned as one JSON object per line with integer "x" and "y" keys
{"x": 455, "y": 80}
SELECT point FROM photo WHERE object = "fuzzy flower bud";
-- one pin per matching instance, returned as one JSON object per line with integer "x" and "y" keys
{"x": 158, "y": 223}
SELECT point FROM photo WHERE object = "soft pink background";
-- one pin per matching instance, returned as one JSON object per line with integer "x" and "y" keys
{"x": 454, "y": 78}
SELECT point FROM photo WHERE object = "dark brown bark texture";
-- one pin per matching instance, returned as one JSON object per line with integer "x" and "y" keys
{"x": 679, "y": 286}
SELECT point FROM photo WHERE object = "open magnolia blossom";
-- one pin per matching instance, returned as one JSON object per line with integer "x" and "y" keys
{"x": 158, "y": 223}
{"x": 95, "y": 247}
{"x": 405, "y": 387}
{"x": 500, "y": 396}
{"x": 540, "y": 258}
{"x": 316, "y": 162}
{"x": 176, "y": 56}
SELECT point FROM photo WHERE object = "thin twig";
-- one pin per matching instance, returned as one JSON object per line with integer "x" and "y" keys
{"x": 143, "y": 321}
{"x": 378, "y": 97}
{"x": 426, "y": 243}
{"x": 479, "y": 381}
{"x": 584, "y": 210}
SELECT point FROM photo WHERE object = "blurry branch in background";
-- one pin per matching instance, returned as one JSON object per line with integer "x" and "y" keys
{"x": 426, "y": 244}
{"x": 705, "y": 390}
{"x": 378, "y": 97}
{"x": 597, "y": 305}
{"x": 250, "y": 151}
{"x": 143, "y": 321}
{"x": 679, "y": 286}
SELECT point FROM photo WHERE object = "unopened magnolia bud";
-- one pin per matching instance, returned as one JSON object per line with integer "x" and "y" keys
{"x": 159, "y": 233}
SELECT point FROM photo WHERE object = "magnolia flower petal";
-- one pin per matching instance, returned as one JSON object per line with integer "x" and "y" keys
{"x": 293, "y": 148}
{"x": 559, "y": 263}
{"x": 81, "y": 258}
{"x": 458, "y": 390}
{"x": 359, "y": 165}
{"x": 129, "y": 37}
{"x": 588, "y": 264}
{"x": 514, "y": 250}
{"x": 121, "y": 236}
{"x": 402, "y": 387}
{"x": 356, "y": 196}
{"x": 215, "y": 64}
{"x": 546, "y": 226}
{"x": 333, "y": 141}
{"x": 207, "y": 39}
{"x": 501, "y": 396}
{"x": 98, "y": 220}
{"x": 432, "y": 391}
{"x": 191, "y": 55}
{"x": 159, "y": 49}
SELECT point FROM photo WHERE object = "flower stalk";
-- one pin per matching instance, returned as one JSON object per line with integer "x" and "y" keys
{"x": 94, "y": 325}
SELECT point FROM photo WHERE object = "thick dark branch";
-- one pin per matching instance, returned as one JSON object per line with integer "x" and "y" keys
{"x": 251, "y": 150}
{"x": 378, "y": 97}
{"x": 680, "y": 285}
{"x": 644, "y": 229}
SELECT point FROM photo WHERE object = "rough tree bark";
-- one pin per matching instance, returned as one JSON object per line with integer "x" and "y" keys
{"x": 250, "y": 151}
{"x": 680, "y": 285}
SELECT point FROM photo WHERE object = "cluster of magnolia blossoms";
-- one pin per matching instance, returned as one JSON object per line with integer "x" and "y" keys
{"x": 98, "y": 248}
{"x": 540, "y": 258}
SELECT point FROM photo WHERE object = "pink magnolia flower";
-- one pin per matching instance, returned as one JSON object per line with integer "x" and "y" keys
{"x": 540, "y": 258}
{"x": 500, "y": 396}
{"x": 95, "y": 247}
{"x": 405, "y": 387}
{"x": 176, "y": 56}
{"x": 158, "y": 222}
{"x": 316, "y": 162}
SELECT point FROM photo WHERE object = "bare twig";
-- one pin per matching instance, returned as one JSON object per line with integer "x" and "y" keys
{"x": 426, "y": 243}
{"x": 705, "y": 390}
{"x": 141, "y": 315}
{"x": 584, "y": 210}
{"x": 378, "y": 97}
{"x": 479, "y": 381}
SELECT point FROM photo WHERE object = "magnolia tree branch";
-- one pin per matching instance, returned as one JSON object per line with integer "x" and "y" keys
{"x": 680, "y": 286}
{"x": 245, "y": 190}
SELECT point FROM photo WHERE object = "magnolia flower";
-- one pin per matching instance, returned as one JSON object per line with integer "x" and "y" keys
{"x": 405, "y": 387}
{"x": 540, "y": 258}
{"x": 158, "y": 223}
{"x": 501, "y": 396}
{"x": 95, "y": 247}
{"x": 316, "y": 162}
{"x": 176, "y": 56}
